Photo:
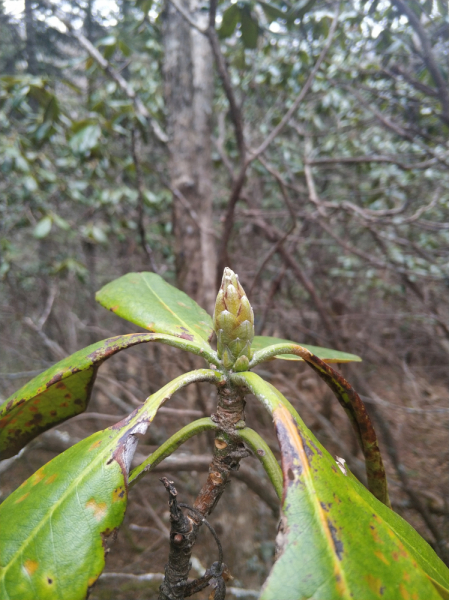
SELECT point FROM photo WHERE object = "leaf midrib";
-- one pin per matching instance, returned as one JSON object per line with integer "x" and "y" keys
{"x": 313, "y": 499}
{"x": 58, "y": 503}
{"x": 150, "y": 407}
{"x": 203, "y": 342}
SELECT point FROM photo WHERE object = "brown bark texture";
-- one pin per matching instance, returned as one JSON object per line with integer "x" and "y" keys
{"x": 188, "y": 88}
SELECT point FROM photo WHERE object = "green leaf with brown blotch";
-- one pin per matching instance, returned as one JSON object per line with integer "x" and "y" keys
{"x": 261, "y": 342}
{"x": 64, "y": 390}
{"x": 336, "y": 540}
{"x": 56, "y": 527}
{"x": 353, "y": 407}
{"x": 150, "y": 302}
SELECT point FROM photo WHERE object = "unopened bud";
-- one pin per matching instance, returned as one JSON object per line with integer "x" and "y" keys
{"x": 241, "y": 364}
{"x": 233, "y": 322}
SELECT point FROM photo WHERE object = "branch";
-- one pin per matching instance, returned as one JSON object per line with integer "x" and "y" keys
{"x": 275, "y": 132}
{"x": 58, "y": 352}
{"x": 113, "y": 74}
{"x": 140, "y": 188}
{"x": 240, "y": 593}
{"x": 389, "y": 441}
{"x": 427, "y": 55}
{"x": 273, "y": 235}
{"x": 238, "y": 126}
{"x": 400, "y": 131}
{"x": 313, "y": 196}
{"x": 421, "y": 87}
{"x": 234, "y": 109}
{"x": 281, "y": 240}
{"x": 248, "y": 475}
{"x": 349, "y": 160}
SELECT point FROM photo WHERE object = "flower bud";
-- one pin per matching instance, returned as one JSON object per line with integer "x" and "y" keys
{"x": 233, "y": 322}
{"x": 241, "y": 364}
{"x": 228, "y": 358}
{"x": 232, "y": 299}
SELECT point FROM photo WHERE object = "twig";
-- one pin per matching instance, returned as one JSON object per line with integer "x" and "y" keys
{"x": 114, "y": 399}
{"x": 153, "y": 514}
{"x": 58, "y": 352}
{"x": 21, "y": 374}
{"x": 107, "y": 67}
{"x": 286, "y": 118}
{"x": 187, "y": 16}
{"x": 281, "y": 240}
{"x": 273, "y": 290}
{"x": 240, "y": 593}
{"x": 183, "y": 532}
{"x": 141, "y": 201}
{"x": 239, "y": 180}
{"x": 201, "y": 463}
{"x": 47, "y": 310}
{"x": 313, "y": 196}
{"x": 427, "y": 55}
{"x": 392, "y": 450}
{"x": 400, "y": 131}
{"x": 350, "y": 160}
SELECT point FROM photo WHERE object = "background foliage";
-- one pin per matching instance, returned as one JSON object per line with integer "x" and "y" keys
{"x": 340, "y": 231}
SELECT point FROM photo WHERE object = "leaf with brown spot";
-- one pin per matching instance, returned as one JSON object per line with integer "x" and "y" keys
{"x": 150, "y": 302}
{"x": 353, "y": 407}
{"x": 64, "y": 390}
{"x": 55, "y": 528}
{"x": 325, "y": 546}
{"x": 261, "y": 342}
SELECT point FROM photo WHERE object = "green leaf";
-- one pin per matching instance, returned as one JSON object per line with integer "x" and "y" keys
{"x": 336, "y": 540}
{"x": 109, "y": 40}
{"x": 64, "y": 390}
{"x": 231, "y": 17}
{"x": 43, "y": 228}
{"x": 250, "y": 29}
{"x": 85, "y": 139}
{"x": 271, "y": 12}
{"x": 56, "y": 527}
{"x": 353, "y": 407}
{"x": 150, "y": 302}
{"x": 262, "y": 451}
{"x": 330, "y": 356}
{"x": 144, "y": 5}
{"x": 126, "y": 50}
{"x": 60, "y": 222}
{"x": 169, "y": 446}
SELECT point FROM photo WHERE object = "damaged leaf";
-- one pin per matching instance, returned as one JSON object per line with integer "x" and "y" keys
{"x": 64, "y": 390}
{"x": 261, "y": 342}
{"x": 55, "y": 529}
{"x": 150, "y": 302}
{"x": 353, "y": 407}
{"x": 336, "y": 540}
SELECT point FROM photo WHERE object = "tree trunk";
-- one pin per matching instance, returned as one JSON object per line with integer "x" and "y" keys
{"x": 30, "y": 41}
{"x": 188, "y": 74}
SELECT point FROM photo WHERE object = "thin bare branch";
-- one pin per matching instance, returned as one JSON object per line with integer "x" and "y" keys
{"x": 400, "y": 131}
{"x": 187, "y": 16}
{"x": 350, "y": 160}
{"x": 310, "y": 181}
{"x": 427, "y": 55}
{"x": 141, "y": 202}
{"x": 96, "y": 55}
{"x": 288, "y": 115}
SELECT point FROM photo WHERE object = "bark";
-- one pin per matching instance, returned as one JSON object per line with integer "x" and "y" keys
{"x": 188, "y": 76}
{"x": 30, "y": 41}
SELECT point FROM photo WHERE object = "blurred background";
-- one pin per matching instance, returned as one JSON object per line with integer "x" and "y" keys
{"x": 304, "y": 144}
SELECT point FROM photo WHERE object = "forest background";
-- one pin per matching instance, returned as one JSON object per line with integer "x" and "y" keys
{"x": 303, "y": 144}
